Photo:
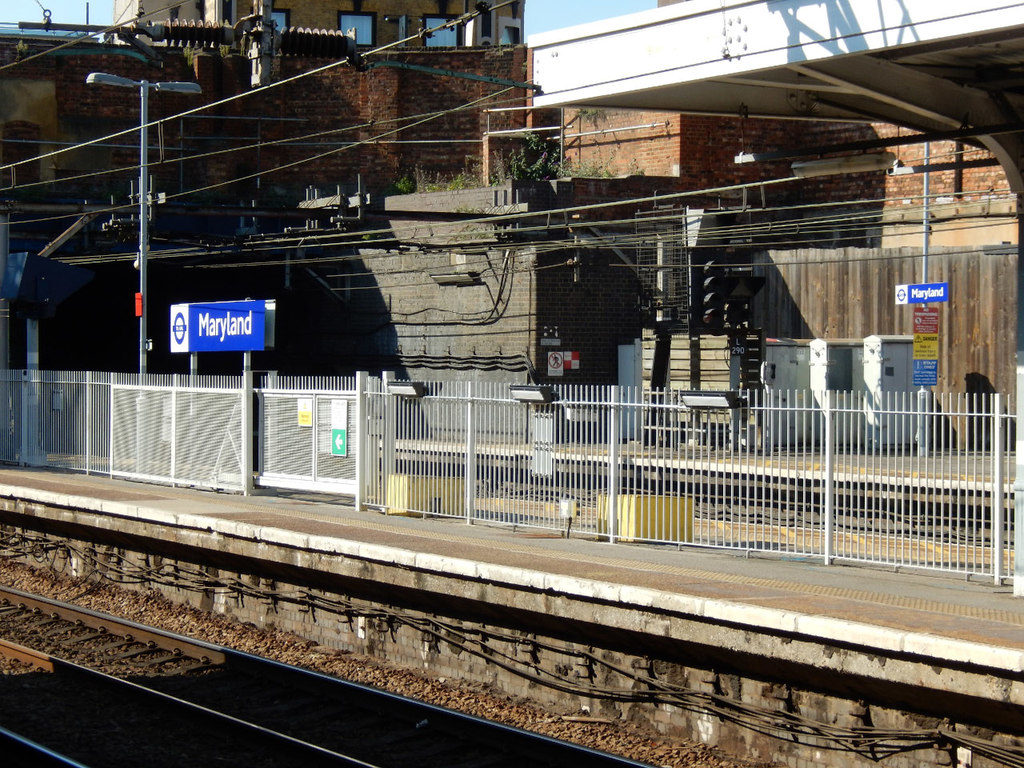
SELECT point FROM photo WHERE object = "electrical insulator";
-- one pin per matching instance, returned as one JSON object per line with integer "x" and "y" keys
{"x": 195, "y": 34}
{"x": 320, "y": 43}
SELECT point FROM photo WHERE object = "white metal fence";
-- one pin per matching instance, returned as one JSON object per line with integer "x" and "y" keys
{"x": 888, "y": 479}
{"x": 885, "y": 479}
{"x": 184, "y": 430}
{"x": 307, "y": 439}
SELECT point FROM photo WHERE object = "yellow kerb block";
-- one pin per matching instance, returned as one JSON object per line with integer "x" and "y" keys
{"x": 651, "y": 518}
{"x": 414, "y": 495}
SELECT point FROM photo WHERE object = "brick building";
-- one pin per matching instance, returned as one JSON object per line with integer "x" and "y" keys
{"x": 376, "y": 22}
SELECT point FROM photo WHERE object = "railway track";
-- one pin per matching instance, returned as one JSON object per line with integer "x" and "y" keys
{"x": 170, "y": 700}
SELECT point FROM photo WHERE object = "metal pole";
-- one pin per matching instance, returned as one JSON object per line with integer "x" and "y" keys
{"x": 828, "y": 479}
{"x": 143, "y": 220}
{"x": 5, "y": 307}
{"x": 470, "y": 481}
{"x": 998, "y": 500}
{"x": 613, "y": 464}
{"x": 362, "y": 438}
{"x": 247, "y": 416}
{"x": 1018, "y": 480}
{"x": 388, "y": 439}
{"x": 923, "y": 394}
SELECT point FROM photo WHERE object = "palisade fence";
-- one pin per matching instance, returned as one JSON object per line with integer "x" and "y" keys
{"x": 896, "y": 479}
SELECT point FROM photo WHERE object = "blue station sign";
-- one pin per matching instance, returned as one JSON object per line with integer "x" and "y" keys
{"x": 222, "y": 326}
{"x": 922, "y": 293}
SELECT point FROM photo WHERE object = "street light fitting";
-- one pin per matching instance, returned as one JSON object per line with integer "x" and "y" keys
{"x": 102, "y": 78}
{"x": 144, "y": 86}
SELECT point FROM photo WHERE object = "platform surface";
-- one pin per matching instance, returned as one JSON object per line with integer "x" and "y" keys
{"x": 974, "y": 617}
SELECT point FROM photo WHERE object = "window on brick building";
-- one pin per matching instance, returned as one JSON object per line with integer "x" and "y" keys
{"x": 442, "y": 38}
{"x": 363, "y": 23}
{"x": 282, "y": 18}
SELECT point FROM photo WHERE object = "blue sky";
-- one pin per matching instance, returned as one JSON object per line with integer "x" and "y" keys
{"x": 545, "y": 15}
{"x": 541, "y": 15}
{"x": 65, "y": 11}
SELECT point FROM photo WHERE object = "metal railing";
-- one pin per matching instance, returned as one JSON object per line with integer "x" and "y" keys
{"x": 885, "y": 479}
{"x": 895, "y": 479}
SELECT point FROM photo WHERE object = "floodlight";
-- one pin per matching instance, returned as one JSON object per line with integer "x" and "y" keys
{"x": 711, "y": 399}
{"x": 532, "y": 393}
{"x": 456, "y": 278}
{"x": 407, "y": 388}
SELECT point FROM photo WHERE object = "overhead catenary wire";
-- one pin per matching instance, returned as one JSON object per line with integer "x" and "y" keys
{"x": 806, "y": 226}
{"x": 80, "y": 38}
{"x": 359, "y": 240}
{"x": 318, "y": 156}
{"x": 301, "y": 75}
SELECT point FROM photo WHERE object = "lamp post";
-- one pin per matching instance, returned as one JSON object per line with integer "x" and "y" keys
{"x": 144, "y": 86}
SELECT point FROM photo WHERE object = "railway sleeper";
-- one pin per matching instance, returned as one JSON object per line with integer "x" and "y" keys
{"x": 200, "y": 665}
{"x": 84, "y": 638}
{"x": 162, "y": 659}
{"x": 119, "y": 643}
{"x": 132, "y": 653}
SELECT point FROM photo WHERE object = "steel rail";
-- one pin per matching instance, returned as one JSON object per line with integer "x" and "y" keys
{"x": 431, "y": 721}
{"x": 20, "y": 751}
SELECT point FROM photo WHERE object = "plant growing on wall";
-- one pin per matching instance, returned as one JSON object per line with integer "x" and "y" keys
{"x": 538, "y": 159}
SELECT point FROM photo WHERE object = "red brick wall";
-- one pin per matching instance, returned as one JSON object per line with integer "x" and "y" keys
{"x": 702, "y": 151}
{"x": 310, "y": 119}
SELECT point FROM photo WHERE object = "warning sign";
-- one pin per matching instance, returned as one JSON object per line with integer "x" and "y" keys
{"x": 555, "y": 364}
{"x": 926, "y": 320}
{"x": 926, "y": 346}
{"x": 305, "y": 412}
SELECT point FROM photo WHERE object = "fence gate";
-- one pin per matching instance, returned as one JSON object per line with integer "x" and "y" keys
{"x": 308, "y": 439}
{"x": 188, "y": 435}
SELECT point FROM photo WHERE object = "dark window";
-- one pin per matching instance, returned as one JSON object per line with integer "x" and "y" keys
{"x": 510, "y": 36}
{"x": 282, "y": 18}
{"x": 227, "y": 10}
{"x": 363, "y": 23}
{"x": 443, "y": 37}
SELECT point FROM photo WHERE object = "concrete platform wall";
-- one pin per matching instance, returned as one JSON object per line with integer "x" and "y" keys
{"x": 614, "y": 651}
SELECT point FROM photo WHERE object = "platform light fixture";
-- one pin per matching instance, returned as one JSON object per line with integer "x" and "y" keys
{"x": 414, "y": 389}
{"x": 711, "y": 399}
{"x": 532, "y": 393}
{"x": 144, "y": 86}
{"x": 830, "y": 166}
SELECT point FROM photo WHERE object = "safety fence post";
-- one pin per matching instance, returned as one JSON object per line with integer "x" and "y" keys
{"x": 613, "y": 464}
{"x": 998, "y": 501}
{"x": 470, "y": 483}
{"x": 362, "y": 438}
{"x": 828, "y": 479}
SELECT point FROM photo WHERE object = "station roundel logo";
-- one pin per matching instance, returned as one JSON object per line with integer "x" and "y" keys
{"x": 179, "y": 328}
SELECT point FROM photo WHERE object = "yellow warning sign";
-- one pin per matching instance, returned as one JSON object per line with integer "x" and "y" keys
{"x": 926, "y": 346}
{"x": 305, "y": 412}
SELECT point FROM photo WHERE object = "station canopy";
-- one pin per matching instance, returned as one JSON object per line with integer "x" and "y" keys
{"x": 929, "y": 65}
